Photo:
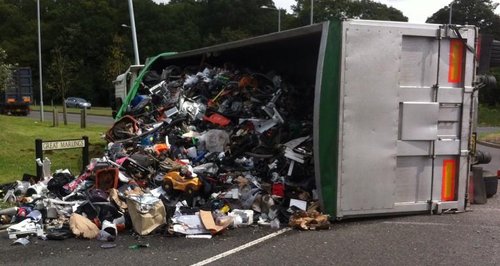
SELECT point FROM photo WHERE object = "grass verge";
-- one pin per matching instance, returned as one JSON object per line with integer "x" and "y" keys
{"x": 17, "y": 140}
{"x": 490, "y": 137}
{"x": 102, "y": 111}
{"x": 489, "y": 116}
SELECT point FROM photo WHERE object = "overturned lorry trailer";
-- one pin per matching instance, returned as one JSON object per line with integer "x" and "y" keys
{"x": 393, "y": 106}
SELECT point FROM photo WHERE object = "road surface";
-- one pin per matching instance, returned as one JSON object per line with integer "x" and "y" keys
{"x": 75, "y": 118}
{"x": 470, "y": 238}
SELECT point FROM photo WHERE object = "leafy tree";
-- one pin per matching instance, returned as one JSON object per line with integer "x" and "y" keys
{"x": 5, "y": 69}
{"x": 481, "y": 14}
{"x": 87, "y": 34}
{"x": 166, "y": 28}
{"x": 229, "y": 20}
{"x": 61, "y": 72}
{"x": 366, "y": 9}
{"x": 86, "y": 29}
{"x": 64, "y": 62}
{"x": 18, "y": 31}
{"x": 85, "y": 37}
{"x": 339, "y": 9}
{"x": 470, "y": 12}
{"x": 116, "y": 62}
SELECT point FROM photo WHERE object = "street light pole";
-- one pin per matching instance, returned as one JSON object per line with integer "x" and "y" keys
{"x": 279, "y": 15}
{"x": 134, "y": 35}
{"x": 312, "y": 11}
{"x": 40, "y": 59}
{"x": 279, "y": 20}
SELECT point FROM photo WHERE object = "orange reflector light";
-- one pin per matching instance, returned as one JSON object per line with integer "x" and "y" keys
{"x": 11, "y": 100}
{"x": 26, "y": 99}
{"x": 449, "y": 180}
{"x": 456, "y": 61}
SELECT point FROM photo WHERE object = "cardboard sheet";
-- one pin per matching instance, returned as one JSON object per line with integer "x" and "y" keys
{"x": 208, "y": 221}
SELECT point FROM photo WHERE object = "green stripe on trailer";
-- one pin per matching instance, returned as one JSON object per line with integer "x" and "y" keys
{"x": 329, "y": 118}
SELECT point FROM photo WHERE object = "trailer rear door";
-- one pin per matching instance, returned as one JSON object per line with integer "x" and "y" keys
{"x": 406, "y": 98}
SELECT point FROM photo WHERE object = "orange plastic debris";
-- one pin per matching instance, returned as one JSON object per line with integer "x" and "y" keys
{"x": 162, "y": 147}
{"x": 217, "y": 119}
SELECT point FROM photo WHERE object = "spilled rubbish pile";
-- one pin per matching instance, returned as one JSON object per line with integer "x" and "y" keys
{"x": 196, "y": 152}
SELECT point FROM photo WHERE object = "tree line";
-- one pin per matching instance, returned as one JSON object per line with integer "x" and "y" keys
{"x": 85, "y": 46}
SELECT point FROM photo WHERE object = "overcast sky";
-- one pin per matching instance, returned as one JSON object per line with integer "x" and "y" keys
{"x": 416, "y": 10}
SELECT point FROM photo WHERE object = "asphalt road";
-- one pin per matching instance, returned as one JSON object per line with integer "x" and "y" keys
{"x": 470, "y": 238}
{"x": 75, "y": 118}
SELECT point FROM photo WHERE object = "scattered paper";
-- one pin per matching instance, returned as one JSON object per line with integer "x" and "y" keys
{"x": 299, "y": 204}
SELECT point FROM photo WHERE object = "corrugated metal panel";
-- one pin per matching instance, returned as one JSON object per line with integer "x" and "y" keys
{"x": 448, "y": 129}
{"x": 418, "y": 62}
{"x": 369, "y": 143}
{"x": 415, "y": 94}
{"x": 450, "y": 113}
{"x": 413, "y": 181}
{"x": 448, "y": 147}
{"x": 450, "y": 95}
{"x": 414, "y": 148}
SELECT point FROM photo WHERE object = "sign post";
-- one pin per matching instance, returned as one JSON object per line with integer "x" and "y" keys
{"x": 41, "y": 146}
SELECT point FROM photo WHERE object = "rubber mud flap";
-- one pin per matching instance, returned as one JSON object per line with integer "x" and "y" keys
{"x": 479, "y": 189}
{"x": 491, "y": 184}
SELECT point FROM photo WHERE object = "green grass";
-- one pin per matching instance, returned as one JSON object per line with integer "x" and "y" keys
{"x": 102, "y": 111}
{"x": 17, "y": 146}
{"x": 489, "y": 116}
{"x": 493, "y": 137}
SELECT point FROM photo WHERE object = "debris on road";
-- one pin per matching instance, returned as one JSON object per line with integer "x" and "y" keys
{"x": 197, "y": 152}
{"x": 21, "y": 241}
{"x": 200, "y": 149}
{"x": 138, "y": 246}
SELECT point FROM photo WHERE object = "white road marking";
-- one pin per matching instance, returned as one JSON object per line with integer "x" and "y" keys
{"x": 443, "y": 224}
{"x": 485, "y": 210}
{"x": 417, "y": 223}
{"x": 242, "y": 247}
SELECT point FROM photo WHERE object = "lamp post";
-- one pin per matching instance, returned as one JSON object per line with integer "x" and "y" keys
{"x": 40, "y": 59}
{"x": 312, "y": 11}
{"x": 134, "y": 35}
{"x": 279, "y": 15}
